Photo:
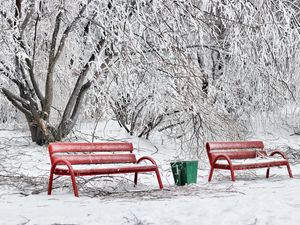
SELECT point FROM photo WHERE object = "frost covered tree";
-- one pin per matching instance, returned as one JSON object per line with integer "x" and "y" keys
{"x": 61, "y": 48}
{"x": 215, "y": 63}
{"x": 36, "y": 35}
{"x": 50, "y": 50}
{"x": 189, "y": 68}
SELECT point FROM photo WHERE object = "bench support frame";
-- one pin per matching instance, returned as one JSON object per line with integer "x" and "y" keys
{"x": 53, "y": 148}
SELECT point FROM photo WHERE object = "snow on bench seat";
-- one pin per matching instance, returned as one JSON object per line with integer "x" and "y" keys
{"x": 100, "y": 169}
{"x": 252, "y": 163}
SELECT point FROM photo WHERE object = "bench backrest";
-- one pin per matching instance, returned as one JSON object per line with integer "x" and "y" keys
{"x": 235, "y": 149}
{"x": 100, "y": 152}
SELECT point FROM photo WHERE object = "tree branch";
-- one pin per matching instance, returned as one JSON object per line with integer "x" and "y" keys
{"x": 67, "y": 125}
{"x": 30, "y": 65}
{"x": 9, "y": 21}
{"x": 15, "y": 101}
{"x": 15, "y": 97}
{"x": 80, "y": 99}
{"x": 72, "y": 100}
{"x": 6, "y": 74}
{"x": 27, "y": 18}
{"x": 53, "y": 57}
{"x": 49, "y": 81}
{"x": 18, "y": 8}
{"x": 67, "y": 32}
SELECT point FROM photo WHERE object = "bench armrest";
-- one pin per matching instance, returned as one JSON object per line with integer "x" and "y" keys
{"x": 278, "y": 152}
{"x": 226, "y": 157}
{"x": 146, "y": 158}
{"x": 62, "y": 162}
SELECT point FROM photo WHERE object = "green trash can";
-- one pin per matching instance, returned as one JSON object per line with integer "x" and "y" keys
{"x": 185, "y": 172}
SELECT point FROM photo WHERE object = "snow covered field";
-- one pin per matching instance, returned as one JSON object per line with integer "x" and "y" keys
{"x": 252, "y": 199}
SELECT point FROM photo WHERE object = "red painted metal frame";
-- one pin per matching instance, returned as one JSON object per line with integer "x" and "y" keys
{"x": 277, "y": 152}
{"x": 236, "y": 150}
{"x": 70, "y": 160}
{"x": 68, "y": 164}
{"x": 156, "y": 170}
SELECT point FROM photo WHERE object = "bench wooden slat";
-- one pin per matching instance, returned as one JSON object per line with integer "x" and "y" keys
{"x": 235, "y": 154}
{"x": 223, "y": 145}
{"x": 90, "y": 147}
{"x": 235, "y": 150}
{"x": 97, "y": 158}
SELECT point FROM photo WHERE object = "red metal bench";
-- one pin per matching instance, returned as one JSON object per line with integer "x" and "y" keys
{"x": 65, "y": 157}
{"x": 241, "y": 155}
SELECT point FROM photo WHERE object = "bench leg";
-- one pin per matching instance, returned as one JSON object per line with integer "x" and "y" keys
{"x": 159, "y": 179}
{"x": 210, "y": 174}
{"x": 232, "y": 174}
{"x": 268, "y": 173}
{"x": 71, "y": 174}
{"x": 74, "y": 185}
{"x": 135, "y": 179}
{"x": 75, "y": 189}
{"x": 288, "y": 168}
{"x": 50, "y": 181}
{"x": 212, "y": 171}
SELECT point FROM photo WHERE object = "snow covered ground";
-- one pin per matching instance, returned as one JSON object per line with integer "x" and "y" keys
{"x": 252, "y": 199}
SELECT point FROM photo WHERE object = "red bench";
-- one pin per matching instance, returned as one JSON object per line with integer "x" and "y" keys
{"x": 241, "y": 155}
{"x": 65, "y": 157}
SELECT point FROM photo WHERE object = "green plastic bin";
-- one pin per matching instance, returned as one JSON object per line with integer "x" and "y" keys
{"x": 185, "y": 172}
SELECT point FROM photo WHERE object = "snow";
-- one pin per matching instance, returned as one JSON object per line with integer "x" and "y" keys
{"x": 252, "y": 199}
{"x": 253, "y": 160}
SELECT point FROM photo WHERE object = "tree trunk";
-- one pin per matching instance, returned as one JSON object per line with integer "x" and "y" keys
{"x": 35, "y": 131}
